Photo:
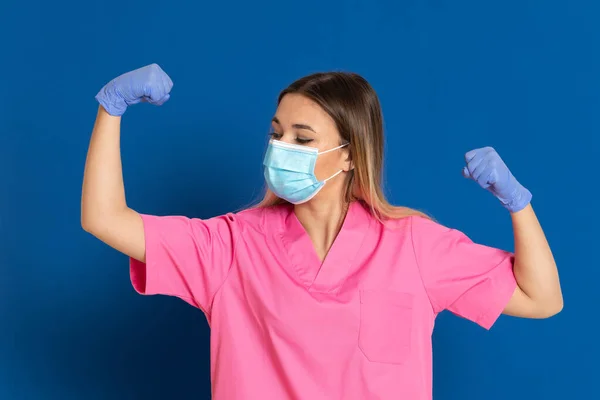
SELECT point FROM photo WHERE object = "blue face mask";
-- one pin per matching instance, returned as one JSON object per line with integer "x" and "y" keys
{"x": 290, "y": 171}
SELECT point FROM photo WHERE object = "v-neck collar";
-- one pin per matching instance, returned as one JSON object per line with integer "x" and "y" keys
{"x": 329, "y": 275}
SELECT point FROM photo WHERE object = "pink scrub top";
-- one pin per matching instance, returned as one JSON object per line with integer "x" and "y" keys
{"x": 285, "y": 325}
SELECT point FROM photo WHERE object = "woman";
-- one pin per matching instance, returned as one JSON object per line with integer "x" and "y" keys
{"x": 324, "y": 290}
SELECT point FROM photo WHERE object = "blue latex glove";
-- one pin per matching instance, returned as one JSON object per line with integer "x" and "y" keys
{"x": 486, "y": 168}
{"x": 150, "y": 84}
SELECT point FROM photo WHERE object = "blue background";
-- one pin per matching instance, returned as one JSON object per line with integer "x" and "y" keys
{"x": 522, "y": 76}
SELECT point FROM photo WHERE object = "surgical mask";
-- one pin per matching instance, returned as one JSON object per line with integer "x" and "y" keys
{"x": 290, "y": 171}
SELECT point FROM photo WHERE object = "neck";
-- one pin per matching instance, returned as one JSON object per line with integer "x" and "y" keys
{"x": 322, "y": 221}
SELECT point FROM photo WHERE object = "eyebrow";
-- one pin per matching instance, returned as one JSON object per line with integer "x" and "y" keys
{"x": 296, "y": 126}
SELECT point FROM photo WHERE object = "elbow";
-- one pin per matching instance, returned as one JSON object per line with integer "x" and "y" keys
{"x": 87, "y": 225}
{"x": 94, "y": 216}
{"x": 100, "y": 222}
{"x": 558, "y": 307}
{"x": 86, "y": 215}
{"x": 87, "y": 222}
{"x": 91, "y": 222}
{"x": 551, "y": 309}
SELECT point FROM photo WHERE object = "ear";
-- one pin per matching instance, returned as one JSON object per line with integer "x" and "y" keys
{"x": 348, "y": 166}
{"x": 348, "y": 163}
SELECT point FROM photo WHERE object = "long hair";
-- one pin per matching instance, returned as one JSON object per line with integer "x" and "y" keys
{"x": 354, "y": 107}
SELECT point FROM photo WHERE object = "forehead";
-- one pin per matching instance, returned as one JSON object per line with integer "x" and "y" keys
{"x": 298, "y": 109}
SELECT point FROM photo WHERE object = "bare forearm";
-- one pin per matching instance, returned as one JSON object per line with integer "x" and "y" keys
{"x": 104, "y": 211}
{"x": 535, "y": 269}
{"x": 103, "y": 191}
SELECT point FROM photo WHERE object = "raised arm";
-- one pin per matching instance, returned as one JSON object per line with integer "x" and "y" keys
{"x": 538, "y": 294}
{"x": 104, "y": 210}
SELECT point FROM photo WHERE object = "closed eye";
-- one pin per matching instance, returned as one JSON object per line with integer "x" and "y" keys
{"x": 299, "y": 140}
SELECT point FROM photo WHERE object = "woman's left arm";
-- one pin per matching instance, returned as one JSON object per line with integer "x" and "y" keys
{"x": 538, "y": 293}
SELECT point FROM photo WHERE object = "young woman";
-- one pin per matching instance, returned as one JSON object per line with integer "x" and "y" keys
{"x": 324, "y": 290}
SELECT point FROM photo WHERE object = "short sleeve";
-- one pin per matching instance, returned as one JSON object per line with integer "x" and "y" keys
{"x": 469, "y": 279}
{"x": 188, "y": 258}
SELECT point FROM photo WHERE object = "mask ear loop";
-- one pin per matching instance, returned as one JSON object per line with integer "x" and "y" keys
{"x": 341, "y": 170}
{"x": 335, "y": 148}
{"x": 333, "y": 176}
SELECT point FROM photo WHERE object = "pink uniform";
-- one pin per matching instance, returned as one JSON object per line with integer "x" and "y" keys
{"x": 285, "y": 325}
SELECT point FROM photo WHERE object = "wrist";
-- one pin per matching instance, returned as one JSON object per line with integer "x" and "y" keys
{"x": 520, "y": 199}
{"x": 110, "y": 100}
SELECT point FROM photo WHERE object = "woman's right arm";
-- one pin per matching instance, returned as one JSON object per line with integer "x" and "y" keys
{"x": 104, "y": 210}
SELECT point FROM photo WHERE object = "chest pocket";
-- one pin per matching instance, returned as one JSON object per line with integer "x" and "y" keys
{"x": 385, "y": 325}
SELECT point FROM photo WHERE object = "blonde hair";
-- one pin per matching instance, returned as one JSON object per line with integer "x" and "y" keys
{"x": 354, "y": 106}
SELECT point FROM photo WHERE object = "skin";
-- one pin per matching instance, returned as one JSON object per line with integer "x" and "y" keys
{"x": 538, "y": 294}
{"x": 104, "y": 211}
{"x": 298, "y": 120}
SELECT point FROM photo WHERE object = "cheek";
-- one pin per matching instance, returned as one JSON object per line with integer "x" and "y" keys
{"x": 327, "y": 165}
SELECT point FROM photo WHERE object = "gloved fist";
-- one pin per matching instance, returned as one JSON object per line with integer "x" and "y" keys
{"x": 486, "y": 168}
{"x": 149, "y": 83}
